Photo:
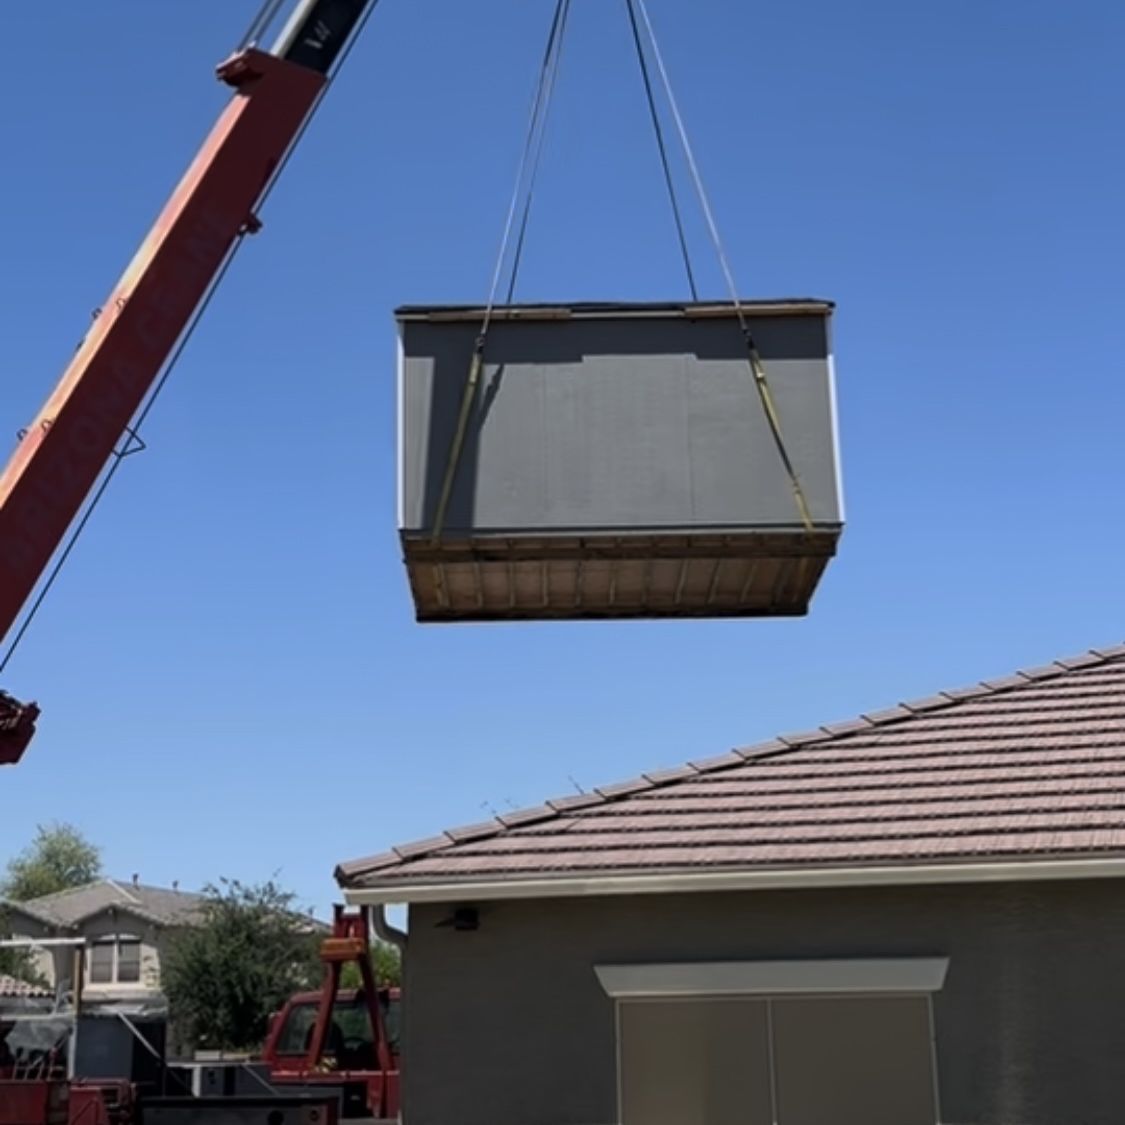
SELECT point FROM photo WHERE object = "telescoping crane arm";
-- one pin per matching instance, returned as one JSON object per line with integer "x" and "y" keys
{"x": 62, "y": 454}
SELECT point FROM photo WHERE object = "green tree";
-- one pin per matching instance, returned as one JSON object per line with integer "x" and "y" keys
{"x": 17, "y": 962}
{"x": 386, "y": 964}
{"x": 225, "y": 976}
{"x": 58, "y": 858}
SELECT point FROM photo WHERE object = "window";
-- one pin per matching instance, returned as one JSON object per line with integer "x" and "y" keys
{"x": 294, "y": 1037}
{"x": 128, "y": 962}
{"x": 777, "y": 1043}
{"x": 101, "y": 962}
{"x": 115, "y": 961}
{"x": 350, "y": 1031}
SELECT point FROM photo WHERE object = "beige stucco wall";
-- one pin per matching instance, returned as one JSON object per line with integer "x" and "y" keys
{"x": 120, "y": 924}
{"x": 25, "y": 929}
{"x": 56, "y": 964}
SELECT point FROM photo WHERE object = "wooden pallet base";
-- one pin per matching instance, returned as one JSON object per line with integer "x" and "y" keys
{"x": 599, "y": 578}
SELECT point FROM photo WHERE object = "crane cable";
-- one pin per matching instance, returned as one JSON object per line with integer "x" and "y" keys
{"x": 529, "y": 169}
{"x": 532, "y": 153}
{"x": 756, "y": 365}
{"x": 663, "y": 149}
{"x": 259, "y": 25}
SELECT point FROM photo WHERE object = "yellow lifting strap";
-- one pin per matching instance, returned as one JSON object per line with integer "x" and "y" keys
{"x": 467, "y": 397}
{"x": 529, "y": 165}
{"x": 531, "y": 155}
{"x": 770, "y": 409}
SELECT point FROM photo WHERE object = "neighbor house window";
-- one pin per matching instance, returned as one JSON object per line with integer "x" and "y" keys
{"x": 115, "y": 961}
{"x": 101, "y": 962}
{"x": 128, "y": 962}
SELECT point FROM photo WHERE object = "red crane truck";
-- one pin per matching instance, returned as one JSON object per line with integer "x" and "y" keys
{"x": 335, "y": 1051}
{"x": 61, "y": 457}
{"x": 343, "y": 1037}
{"x": 65, "y": 451}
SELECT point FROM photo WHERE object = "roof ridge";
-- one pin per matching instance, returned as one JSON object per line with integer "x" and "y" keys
{"x": 118, "y": 887}
{"x": 169, "y": 890}
{"x": 738, "y": 756}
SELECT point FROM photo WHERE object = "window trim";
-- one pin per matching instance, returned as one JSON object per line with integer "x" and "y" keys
{"x": 871, "y": 976}
{"x": 775, "y": 980}
{"x": 114, "y": 942}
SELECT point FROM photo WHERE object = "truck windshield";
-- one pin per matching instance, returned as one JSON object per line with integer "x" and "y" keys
{"x": 352, "y": 1028}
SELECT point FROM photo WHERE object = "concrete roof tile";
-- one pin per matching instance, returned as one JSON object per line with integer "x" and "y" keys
{"x": 423, "y": 847}
{"x": 576, "y": 801}
{"x": 890, "y": 715}
{"x": 943, "y": 779}
{"x": 626, "y": 788}
{"x": 521, "y": 817}
{"x": 474, "y": 831}
{"x": 805, "y": 737}
{"x": 666, "y": 777}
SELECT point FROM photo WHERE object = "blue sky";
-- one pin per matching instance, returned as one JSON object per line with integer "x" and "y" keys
{"x": 231, "y": 678}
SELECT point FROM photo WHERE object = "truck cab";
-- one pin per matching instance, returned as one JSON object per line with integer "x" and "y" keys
{"x": 350, "y": 1057}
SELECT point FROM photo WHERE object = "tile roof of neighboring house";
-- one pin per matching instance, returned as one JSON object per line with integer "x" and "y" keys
{"x": 1029, "y": 766}
{"x": 11, "y": 988}
{"x": 159, "y": 905}
{"x": 27, "y": 908}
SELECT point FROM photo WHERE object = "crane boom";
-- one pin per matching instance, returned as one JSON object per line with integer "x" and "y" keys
{"x": 62, "y": 454}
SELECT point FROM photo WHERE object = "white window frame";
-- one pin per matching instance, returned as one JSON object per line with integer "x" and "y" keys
{"x": 775, "y": 980}
{"x": 701, "y": 979}
{"x": 115, "y": 941}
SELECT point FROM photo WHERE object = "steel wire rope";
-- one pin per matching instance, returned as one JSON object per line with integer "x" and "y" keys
{"x": 664, "y": 163}
{"x": 267, "y": 13}
{"x": 756, "y": 365}
{"x": 530, "y": 157}
{"x": 536, "y": 162}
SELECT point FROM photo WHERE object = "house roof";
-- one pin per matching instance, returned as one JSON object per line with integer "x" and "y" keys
{"x": 11, "y": 988}
{"x": 1024, "y": 768}
{"x": 158, "y": 905}
{"x": 7, "y": 906}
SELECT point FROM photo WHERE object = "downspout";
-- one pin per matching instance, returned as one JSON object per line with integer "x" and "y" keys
{"x": 384, "y": 931}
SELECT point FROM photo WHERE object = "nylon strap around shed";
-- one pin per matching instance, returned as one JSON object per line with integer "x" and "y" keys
{"x": 757, "y": 367}
{"x": 533, "y": 150}
{"x": 531, "y": 156}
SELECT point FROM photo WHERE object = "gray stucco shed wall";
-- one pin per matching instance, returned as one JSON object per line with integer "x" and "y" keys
{"x": 508, "y": 1025}
{"x": 626, "y": 423}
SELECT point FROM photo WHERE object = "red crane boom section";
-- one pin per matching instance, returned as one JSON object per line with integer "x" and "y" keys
{"x": 64, "y": 451}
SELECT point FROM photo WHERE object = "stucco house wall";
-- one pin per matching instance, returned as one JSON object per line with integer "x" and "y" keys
{"x": 119, "y": 924}
{"x": 508, "y": 1024}
{"x": 951, "y": 925}
{"x": 16, "y": 924}
{"x": 104, "y": 914}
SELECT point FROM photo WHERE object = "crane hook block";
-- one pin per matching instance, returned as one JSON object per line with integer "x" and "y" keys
{"x": 17, "y": 727}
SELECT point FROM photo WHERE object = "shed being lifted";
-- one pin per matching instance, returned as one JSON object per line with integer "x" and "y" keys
{"x": 616, "y": 460}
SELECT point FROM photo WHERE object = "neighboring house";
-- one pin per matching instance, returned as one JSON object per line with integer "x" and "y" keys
{"x": 13, "y": 989}
{"x": 916, "y": 916}
{"x": 126, "y": 927}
